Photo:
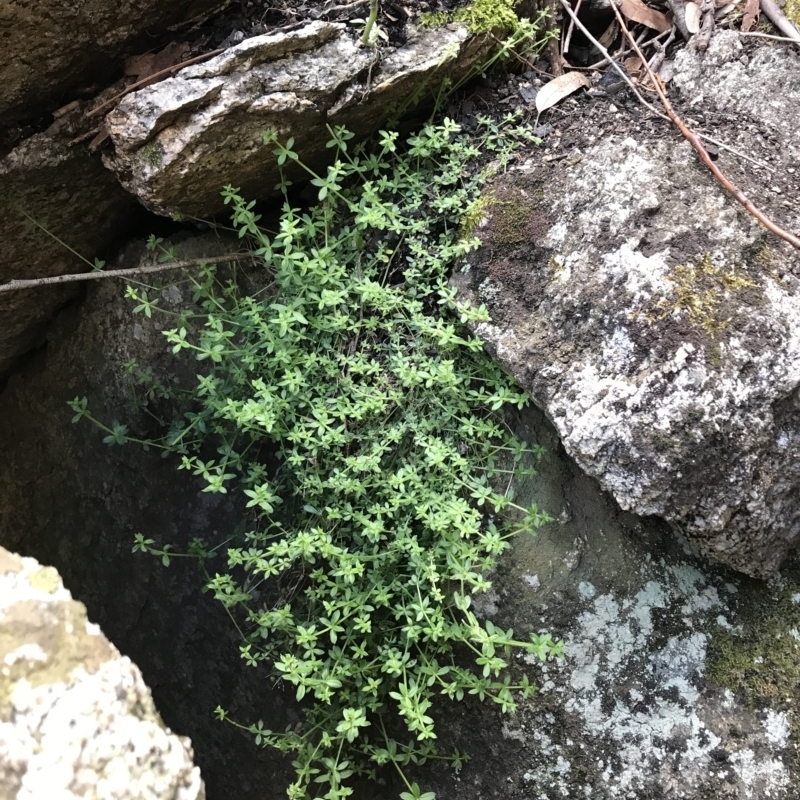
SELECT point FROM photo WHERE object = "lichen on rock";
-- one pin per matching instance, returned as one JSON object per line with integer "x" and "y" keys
{"x": 657, "y": 327}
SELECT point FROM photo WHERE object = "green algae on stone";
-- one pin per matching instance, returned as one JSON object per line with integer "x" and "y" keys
{"x": 761, "y": 664}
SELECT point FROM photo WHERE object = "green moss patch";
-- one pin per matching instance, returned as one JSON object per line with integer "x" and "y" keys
{"x": 700, "y": 289}
{"x": 480, "y": 16}
{"x": 762, "y": 664}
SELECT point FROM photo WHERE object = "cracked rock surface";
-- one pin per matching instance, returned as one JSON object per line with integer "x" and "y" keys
{"x": 178, "y": 142}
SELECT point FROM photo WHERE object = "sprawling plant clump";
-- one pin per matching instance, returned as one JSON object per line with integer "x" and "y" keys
{"x": 363, "y": 424}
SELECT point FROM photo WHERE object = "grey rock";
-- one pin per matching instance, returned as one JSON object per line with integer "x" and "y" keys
{"x": 657, "y": 325}
{"x": 178, "y": 142}
{"x": 76, "y": 718}
{"x": 68, "y": 192}
{"x": 52, "y": 48}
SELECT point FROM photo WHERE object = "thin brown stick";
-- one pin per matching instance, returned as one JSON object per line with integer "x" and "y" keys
{"x": 134, "y": 86}
{"x": 14, "y": 285}
{"x": 694, "y": 140}
{"x": 703, "y": 37}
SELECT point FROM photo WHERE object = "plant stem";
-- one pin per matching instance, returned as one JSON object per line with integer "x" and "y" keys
{"x": 373, "y": 15}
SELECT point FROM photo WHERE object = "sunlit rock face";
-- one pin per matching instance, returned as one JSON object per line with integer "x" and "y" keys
{"x": 177, "y": 143}
{"x": 657, "y": 323}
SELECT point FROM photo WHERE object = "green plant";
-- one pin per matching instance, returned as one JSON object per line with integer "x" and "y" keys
{"x": 379, "y": 522}
{"x": 524, "y": 37}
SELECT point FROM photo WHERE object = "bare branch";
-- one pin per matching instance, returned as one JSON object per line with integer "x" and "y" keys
{"x": 14, "y": 285}
{"x": 778, "y": 19}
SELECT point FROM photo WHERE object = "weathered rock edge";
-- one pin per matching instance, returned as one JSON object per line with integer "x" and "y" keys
{"x": 178, "y": 142}
{"x": 76, "y": 718}
{"x": 657, "y": 325}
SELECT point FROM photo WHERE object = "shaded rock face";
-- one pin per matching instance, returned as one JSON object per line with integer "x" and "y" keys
{"x": 632, "y": 711}
{"x": 177, "y": 143}
{"x": 641, "y": 706}
{"x": 76, "y": 718}
{"x": 68, "y": 192}
{"x": 70, "y": 500}
{"x": 51, "y": 48}
{"x": 657, "y": 324}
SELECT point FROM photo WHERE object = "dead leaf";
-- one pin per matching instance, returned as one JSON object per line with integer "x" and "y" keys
{"x": 609, "y": 34}
{"x": 692, "y": 11}
{"x": 555, "y": 91}
{"x": 637, "y": 11}
{"x": 751, "y": 11}
{"x": 633, "y": 65}
{"x": 146, "y": 64}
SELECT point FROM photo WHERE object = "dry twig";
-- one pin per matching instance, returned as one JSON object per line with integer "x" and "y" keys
{"x": 644, "y": 102}
{"x": 770, "y": 36}
{"x": 14, "y": 285}
{"x": 778, "y": 19}
{"x": 703, "y": 37}
{"x": 694, "y": 140}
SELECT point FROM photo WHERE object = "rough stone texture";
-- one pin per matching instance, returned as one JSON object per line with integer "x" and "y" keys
{"x": 76, "y": 719}
{"x": 51, "y": 48}
{"x": 70, "y": 193}
{"x": 69, "y": 500}
{"x": 635, "y": 709}
{"x": 655, "y": 321}
{"x": 178, "y": 142}
{"x": 764, "y": 86}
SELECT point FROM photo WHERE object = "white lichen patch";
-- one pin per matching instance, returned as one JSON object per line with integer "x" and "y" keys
{"x": 632, "y": 683}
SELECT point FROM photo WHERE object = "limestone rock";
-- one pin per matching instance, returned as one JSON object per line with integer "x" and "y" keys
{"x": 76, "y": 719}
{"x": 54, "y": 47}
{"x": 655, "y": 321}
{"x": 178, "y": 142}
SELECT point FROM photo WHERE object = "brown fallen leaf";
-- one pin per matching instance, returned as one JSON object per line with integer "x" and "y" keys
{"x": 551, "y": 93}
{"x": 637, "y": 11}
{"x": 752, "y": 9}
{"x": 692, "y": 17}
{"x": 141, "y": 66}
{"x": 633, "y": 65}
